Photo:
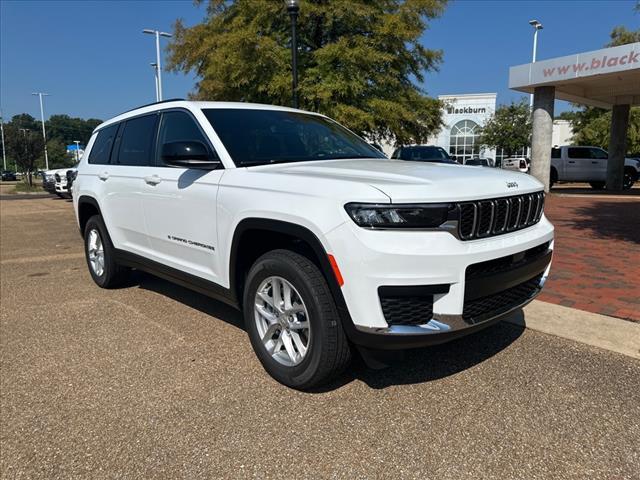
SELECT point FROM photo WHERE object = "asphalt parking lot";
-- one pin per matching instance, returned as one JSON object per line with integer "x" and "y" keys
{"x": 154, "y": 381}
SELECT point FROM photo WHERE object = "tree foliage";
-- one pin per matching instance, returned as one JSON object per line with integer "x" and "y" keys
{"x": 24, "y": 147}
{"x": 509, "y": 128}
{"x": 592, "y": 125}
{"x": 358, "y": 61}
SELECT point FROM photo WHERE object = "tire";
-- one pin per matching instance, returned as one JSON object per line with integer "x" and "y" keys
{"x": 629, "y": 178}
{"x": 59, "y": 194}
{"x": 96, "y": 239}
{"x": 597, "y": 185}
{"x": 327, "y": 349}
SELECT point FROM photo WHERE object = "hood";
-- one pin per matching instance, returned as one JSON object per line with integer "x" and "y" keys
{"x": 405, "y": 181}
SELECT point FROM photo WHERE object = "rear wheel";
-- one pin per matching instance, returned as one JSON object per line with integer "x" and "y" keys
{"x": 100, "y": 255}
{"x": 597, "y": 185}
{"x": 553, "y": 177}
{"x": 292, "y": 321}
{"x": 629, "y": 178}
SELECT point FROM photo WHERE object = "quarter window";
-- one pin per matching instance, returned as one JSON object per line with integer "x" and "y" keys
{"x": 137, "y": 141}
{"x": 101, "y": 149}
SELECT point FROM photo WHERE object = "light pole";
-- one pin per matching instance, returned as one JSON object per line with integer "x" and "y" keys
{"x": 158, "y": 34}
{"x": 4, "y": 154}
{"x": 293, "y": 8}
{"x": 536, "y": 27}
{"x": 155, "y": 74}
{"x": 44, "y": 133}
{"x": 77, "y": 142}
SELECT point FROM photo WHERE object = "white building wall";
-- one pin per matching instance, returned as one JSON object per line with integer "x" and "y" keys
{"x": 562, "y": 133}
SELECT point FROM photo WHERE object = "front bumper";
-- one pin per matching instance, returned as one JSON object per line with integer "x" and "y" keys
{"x": 436, "y": 262}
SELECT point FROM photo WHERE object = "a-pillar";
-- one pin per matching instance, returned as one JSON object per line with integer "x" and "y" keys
{"x": 541, "y": 138}
{"x": 617, "y": 146}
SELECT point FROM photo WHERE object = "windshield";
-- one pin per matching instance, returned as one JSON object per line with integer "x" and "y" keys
{"x": 428, "y": 154}
{"x": 260, "y": 137}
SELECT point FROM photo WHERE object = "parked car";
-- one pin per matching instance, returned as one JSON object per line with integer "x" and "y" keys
{"x": 8, "y": 176}
{"x": 49, "y": 181}
{"x": 588, "y": 164}
{"x": 423, "y": 153}
{"x": 478, "y": 162}
{"x": 517, "y": 164}
{"x": 318, "y": 238}
{"x": 62, "y": 186}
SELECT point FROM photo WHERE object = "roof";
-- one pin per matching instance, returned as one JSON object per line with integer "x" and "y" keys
{"x": 191, "y": 104}
{"x": 601, "y": 78}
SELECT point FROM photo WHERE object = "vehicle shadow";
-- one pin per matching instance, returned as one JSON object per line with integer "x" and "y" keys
{"x": 573, "y": 190}
{"x": 433, "y": 363}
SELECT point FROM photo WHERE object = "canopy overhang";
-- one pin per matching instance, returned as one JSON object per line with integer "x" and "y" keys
{"x": 601, "y": 78}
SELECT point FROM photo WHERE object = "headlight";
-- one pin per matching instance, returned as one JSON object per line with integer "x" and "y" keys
{"x": 50, "y": 178}
{"x": 370, "y": 215}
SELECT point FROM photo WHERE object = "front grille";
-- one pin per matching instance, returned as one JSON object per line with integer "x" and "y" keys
{"x": 484, "y": 307}
{"x": 485, "y": 218}
{"x": 502, "y": 264}
{"x": 57, "y": 177}
{"x": 407, "y": 310}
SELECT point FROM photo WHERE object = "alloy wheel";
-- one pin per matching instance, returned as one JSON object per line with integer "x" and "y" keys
{"x": 95, "y": 251}
{"x": 282, "y": 321}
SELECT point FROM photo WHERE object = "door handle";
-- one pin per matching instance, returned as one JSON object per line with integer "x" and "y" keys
{"x": 571, "y": 161}
{"x": 103, "y": 176}
{"x": 594, "y": 162}
{"x": 152, "y": 179}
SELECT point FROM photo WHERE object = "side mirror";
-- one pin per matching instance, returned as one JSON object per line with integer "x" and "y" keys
{"x": 188, "y": 154}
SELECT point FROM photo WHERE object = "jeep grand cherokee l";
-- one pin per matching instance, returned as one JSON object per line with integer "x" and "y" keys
{"x": 320, "y": 240}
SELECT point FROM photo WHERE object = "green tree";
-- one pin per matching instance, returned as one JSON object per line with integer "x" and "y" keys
{"x": 359, "y": 61}
{"x": 58, "y": 156}
{"x": 24, "y": 147}
{"x": 67, "y": 129}
{"x": 509, "y": 128}
{"x": 592, "y": 125}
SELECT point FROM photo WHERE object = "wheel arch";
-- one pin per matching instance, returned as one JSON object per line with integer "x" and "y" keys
{"x": 87, "y": 208}
{"x": 269, "y": 229}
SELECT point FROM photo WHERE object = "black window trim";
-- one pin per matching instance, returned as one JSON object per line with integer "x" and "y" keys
{"x": 158, "y": 163}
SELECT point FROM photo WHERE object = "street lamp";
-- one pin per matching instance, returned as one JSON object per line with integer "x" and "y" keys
{"x": 4, "y": 154}
{"x": 158, "y": 66}
{"x": 44, "y": 133}
{"x": 293, "y": 8}
{"x": 154, "y": 65}
{"x": 536, "y": 26}
{"x": 77, "y": 142}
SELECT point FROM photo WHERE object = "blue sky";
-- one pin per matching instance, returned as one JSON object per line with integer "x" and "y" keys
{"x": 94, "y": 61}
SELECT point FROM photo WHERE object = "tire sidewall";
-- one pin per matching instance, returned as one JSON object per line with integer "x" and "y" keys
{"x": 96, "y": 223}
{"x": 289, "y": 375}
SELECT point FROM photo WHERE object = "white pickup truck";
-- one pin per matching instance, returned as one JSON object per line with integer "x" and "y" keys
{"x": 588, "y": 164}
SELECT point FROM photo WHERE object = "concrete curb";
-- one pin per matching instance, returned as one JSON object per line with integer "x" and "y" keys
{"x": 613, "y": 334}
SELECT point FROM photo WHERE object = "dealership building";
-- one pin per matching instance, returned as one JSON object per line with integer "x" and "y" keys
{"x": 465, "y": 115}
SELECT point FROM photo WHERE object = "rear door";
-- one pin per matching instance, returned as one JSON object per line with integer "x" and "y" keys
{"x": 180, "y": 204}
{"x": 124, "y": 180}
{"x": 578, "y": 165}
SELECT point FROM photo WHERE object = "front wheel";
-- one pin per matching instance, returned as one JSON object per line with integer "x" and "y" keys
{"x": 292, "y": 321}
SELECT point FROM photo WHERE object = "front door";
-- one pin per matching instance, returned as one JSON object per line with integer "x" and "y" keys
{"x": 180, "y": 204}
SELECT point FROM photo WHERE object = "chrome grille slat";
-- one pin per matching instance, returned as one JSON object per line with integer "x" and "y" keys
{"x": 485, "y": 218}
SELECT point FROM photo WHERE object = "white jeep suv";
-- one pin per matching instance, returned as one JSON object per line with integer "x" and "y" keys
{"x": 319, "y": 239}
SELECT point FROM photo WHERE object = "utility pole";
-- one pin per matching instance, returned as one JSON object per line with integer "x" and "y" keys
{"x": 44, "y": 133}
{"x": 158, "y": 34}
{"x": 4, "y": 153}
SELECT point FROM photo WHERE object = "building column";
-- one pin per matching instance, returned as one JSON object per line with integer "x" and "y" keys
{"x": 617, "y": 146}
{"x": 543, "y": 102}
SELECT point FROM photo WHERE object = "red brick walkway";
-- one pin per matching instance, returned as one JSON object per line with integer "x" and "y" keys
{"x": 596, "y": 264}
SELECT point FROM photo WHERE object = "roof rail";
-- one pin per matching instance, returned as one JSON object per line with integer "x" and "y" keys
{"x": 153, "y": 103}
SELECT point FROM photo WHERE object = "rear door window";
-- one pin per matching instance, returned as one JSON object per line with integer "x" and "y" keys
{"x": 137, "y": 140}
{"x": 555, "y": 153}
{"x": 578, "y": 152}
{"x": 101, "y": 149}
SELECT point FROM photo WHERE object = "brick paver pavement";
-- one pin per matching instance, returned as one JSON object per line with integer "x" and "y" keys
{"x": 596, "y": 265}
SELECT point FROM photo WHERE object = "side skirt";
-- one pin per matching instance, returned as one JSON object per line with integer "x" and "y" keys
{"x": 178, "y": 277}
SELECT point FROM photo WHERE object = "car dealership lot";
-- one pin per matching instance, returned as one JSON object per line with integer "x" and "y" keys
{"x": 153, "y": 380}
